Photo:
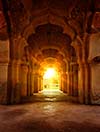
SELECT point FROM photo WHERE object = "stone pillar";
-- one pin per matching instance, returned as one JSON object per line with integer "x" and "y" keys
{"x": 82, "y": 51}
{"x": 81, "y": 86}
{"x": 24, "y": 79}
{"x": 4, "y": 60}
{"x": 70, "y": 75}
{"x": 29, "y": 81}
{"x": 36, "y": 83}
{"x": 68, "y": 81}
{"x": 40, "y": 83}
{"x": 75, "y": 80}
{"x": 3, "y": 82}
{"x": 9, "y": 84}
{"x": 14, "y": 85}
{"x": 84, "y": 86}
{"x": 71, "y": 83}
{"x": 17, "y": 85}
{"x": 87, "y": 84}
{"x": 78, "y": 45}
{"x": 66, "y": 88}
{"x": 64, "y": 82}
{"x": 61, "y": 83}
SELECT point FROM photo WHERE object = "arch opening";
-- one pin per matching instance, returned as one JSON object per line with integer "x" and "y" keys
{"x": 51, "y": 80}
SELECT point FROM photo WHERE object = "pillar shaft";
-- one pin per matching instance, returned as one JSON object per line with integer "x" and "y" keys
{"x": 24, "y": 80}
{"x": 75, "y": 80}
{"x": 3, "y": 82}
{"x": 64, "y": 82}
{"x": 29, "y": 81}
{"x": 14, "y": 85}
{"x": 84, "y": 86}
{"x": 36, "y": 83}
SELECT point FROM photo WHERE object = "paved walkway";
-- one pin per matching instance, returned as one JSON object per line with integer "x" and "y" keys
{"x": 49, "y": 117}
{"x": 50, "y": 96}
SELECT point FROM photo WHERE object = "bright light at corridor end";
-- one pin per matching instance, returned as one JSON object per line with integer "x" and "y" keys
{"x": 50, "y": 73}
{"x": 51, "y": 80}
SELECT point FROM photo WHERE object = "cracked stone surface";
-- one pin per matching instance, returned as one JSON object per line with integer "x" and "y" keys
{"x": 49, "y": 117}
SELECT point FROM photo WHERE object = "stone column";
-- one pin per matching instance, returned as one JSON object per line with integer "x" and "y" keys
{"x": 71, "y": 83}
{"x": 61, "y": 83}
{"x": 82, "y": 50}
{"x": 4, "y": 61}
{"x": 87, "y": 84}
{"x": 77, "y": 44}
{"x": 70, "y": 75}
{"x": 84, "y": 86}
{"x": 29, "y": 81}
{"x": 64, "y": 82}
{"x": 40, "y": 83}
{"x": 17, "y": 86}
{"x": 68, "y": 80}
{"x": 81, "y": 86}
{"x": 14, "y": 84}
{"x": 24, "y": 79}
{"x": 75, "y": 80}
{"x": 66, "y": 88}
{"x": 3, "y": 82}
{"x": 36, "y": 83}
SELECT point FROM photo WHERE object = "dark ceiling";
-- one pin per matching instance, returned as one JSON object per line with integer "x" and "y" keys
{"x": 49, "y": 26}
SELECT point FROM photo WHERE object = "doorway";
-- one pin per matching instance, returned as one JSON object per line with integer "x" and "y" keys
{"x": 51, "y": 80}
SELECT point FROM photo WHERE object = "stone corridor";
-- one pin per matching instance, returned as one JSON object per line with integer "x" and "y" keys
{"x": 49, "y": 96}
{"x": 49, "y": 117}
{"x": 39, "y": 35}
{"x": 49, "y": 44}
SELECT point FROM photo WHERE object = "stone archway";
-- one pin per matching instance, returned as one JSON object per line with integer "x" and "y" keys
{"x": 60, "y": 30}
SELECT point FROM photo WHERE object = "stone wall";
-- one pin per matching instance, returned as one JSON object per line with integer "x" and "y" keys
{"x": 94, "y": 52}
{"x": 4, "y": 58}
{"x": 94, "y": 46}
{"x": 95, "y": 83}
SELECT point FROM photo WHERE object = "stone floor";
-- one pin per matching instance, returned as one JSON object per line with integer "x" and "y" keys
{"x": 49, "y": 116}
{"x": 49, "y": 96}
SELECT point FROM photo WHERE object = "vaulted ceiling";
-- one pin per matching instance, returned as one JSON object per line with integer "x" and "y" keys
{"x": 50, "y": 26}
{"x": 49, "y": 41}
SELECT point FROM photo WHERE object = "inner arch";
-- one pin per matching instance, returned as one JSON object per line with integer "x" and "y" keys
{"x": 51, "y": 79}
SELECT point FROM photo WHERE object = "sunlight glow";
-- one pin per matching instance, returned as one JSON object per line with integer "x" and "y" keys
{"x": 50, "y": 73}
{"x": 51, "y": 80}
